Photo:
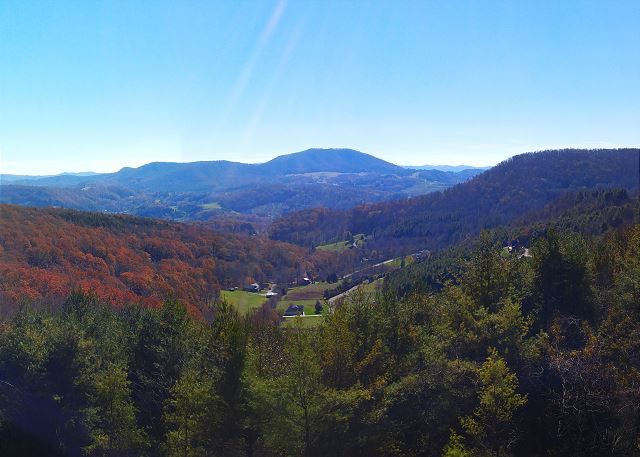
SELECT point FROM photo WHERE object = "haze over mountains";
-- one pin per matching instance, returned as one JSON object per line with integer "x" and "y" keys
{"x": 336, "y": 178}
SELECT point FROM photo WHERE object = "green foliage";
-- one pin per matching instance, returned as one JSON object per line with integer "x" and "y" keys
{"x": 514, "y": 355}
{"x": 491, "y": 423}
{"x": 111, "y": 415}
{"x": 563, "y": 276}
{"x": 192, "y": 415}
{"x": 455, "y": 447}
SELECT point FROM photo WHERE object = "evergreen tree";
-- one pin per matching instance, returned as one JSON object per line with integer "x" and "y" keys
{"x": 491, "y": 424}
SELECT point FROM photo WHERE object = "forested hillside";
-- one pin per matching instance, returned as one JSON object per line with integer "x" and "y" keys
{"x": 588, "y": 213}
{"x": 45, "y": 253}
{"x": 519, "y": 356}
{"x": 496, "y": 197}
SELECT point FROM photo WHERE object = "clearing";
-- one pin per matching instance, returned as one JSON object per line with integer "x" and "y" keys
{"x": 359, "y": 240}
{"x": 243, "y": 301}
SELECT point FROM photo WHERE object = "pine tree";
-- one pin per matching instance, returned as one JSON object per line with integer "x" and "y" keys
{"x": 491, "y": 424}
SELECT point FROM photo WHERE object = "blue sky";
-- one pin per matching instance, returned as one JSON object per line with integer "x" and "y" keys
{"x": 97, "y": 86}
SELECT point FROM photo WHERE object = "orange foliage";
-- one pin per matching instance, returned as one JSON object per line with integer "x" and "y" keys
{"x": 48, "y": 252}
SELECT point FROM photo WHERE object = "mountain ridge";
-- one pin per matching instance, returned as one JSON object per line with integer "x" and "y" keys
{"x": 510, "y": 189}
{"x": 338, "y": 178}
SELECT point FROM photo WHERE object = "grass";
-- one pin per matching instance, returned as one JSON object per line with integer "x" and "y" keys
{"x": 342, "y": 245}
{"x": 311, "y": 292}
{"x": 334, "y": 247}
{"x": 307, "y": 322}
{"x": 243, "y": 301}
{"x": 372, "y": 287}
{"x": 212, "y": 205}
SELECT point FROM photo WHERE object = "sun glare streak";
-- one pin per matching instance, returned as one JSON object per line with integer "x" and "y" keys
{"x": 248, "y": 69}
{"x": 258, "y": 113}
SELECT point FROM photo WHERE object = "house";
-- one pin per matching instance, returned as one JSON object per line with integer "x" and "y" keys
{"x": 255, "y": 287}
{"x": 294, "y": 310}
{"x": 304, "y": 281}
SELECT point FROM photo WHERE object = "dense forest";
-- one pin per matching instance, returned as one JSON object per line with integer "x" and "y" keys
{"x": 517, "y": 355}
{"x": 592, "y": 213}
{"x": 510, "y": 190}
{"x": 45, "y": 253}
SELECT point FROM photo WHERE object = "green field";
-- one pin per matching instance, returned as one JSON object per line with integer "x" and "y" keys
{"x": 342, "y": 245}
{"x": 311, "y": 292}
{"x": 305, "y": 296}
{"x": 372, "y": 287}
{"x": 334, "y": 247}
{"x": 307, "y": 322}
{"x": 243, "y": 301}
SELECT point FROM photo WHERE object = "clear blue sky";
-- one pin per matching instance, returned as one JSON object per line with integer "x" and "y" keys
{"x": 88, "y": 85}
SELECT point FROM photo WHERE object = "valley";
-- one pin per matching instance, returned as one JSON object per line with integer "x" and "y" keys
{"x": 367, "y": 316}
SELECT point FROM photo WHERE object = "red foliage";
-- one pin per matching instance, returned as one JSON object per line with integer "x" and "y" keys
{"x": 46, "y": 252}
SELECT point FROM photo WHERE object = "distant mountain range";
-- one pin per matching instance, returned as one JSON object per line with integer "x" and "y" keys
{"x": 336, "y": 178}
{"x": 220, "y": 174}
{"x": 9, "y": 178}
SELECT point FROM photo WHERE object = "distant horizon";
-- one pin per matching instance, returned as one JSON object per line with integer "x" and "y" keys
{"x": 433, "y": 164}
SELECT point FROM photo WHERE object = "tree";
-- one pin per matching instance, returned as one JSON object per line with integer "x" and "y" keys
{"x": 304, "y": 378}
{"x": 485, "y": 276}
{"x": 455, "y": 447}
{"x": 158, "y": 356}
{"x": 190, "y": 415}
{"x": 111, "y": 418}
{"x": 491, "y": 424}
{"x": 563, "y": 277}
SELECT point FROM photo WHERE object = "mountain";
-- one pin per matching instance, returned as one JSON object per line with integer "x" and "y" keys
{"x": 9, "y": 178}
{"x": 329, "y": 160}
{"x": 222, "y": 174}
{"x": 336, "y": 178}
{"x": 511, "y": 189}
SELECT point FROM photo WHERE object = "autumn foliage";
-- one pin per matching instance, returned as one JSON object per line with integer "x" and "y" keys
{"x": 45, "y": 253}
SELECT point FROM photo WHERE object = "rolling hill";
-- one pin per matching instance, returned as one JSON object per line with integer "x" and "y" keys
{"x": 511, "y": 189}
{"x": 47, "y": 252}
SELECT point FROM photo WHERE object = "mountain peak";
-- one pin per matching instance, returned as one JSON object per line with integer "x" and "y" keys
{"x": 340, "y": 160}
